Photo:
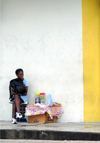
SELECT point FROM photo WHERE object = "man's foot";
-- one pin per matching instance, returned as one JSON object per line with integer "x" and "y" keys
{"x": 14, "y": 121}
{"x": 18, "y": 115}
{"x": 10, "y": 101}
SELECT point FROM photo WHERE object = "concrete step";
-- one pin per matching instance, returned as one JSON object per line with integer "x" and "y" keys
{"x": 53, "y": 131}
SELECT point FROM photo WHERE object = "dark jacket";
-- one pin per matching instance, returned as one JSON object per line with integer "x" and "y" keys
{"x": 17, "y": 86}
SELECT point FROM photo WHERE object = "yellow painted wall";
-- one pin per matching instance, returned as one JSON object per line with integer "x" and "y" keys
{"x": 91, "y": 59}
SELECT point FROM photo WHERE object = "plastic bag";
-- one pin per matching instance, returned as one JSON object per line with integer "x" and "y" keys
{"x": 49, "y": 100}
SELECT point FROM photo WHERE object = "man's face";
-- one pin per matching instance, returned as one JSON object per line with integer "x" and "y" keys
{"x": 20, "y": 75}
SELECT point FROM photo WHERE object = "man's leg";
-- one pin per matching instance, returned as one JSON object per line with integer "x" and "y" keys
{"x": 17, "y": 102}
{"x": 14, "y": 113}
{"x": 14, "y": 109}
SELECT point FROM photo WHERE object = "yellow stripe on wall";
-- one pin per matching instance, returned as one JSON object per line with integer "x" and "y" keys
{"x": 91, "y": 58}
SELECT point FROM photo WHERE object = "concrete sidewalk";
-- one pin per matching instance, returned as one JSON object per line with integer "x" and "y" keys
{"x": 51, "y": 131}
{"x": 44, "y": 141}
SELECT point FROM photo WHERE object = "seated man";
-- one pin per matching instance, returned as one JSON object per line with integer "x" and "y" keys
{"x": 18, "y": 93}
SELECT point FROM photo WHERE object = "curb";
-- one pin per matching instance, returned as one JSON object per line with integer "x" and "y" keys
{"x": 48, "y": 135}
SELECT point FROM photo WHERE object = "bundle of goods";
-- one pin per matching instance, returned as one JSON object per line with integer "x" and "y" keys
{"x": 42, "y": 112}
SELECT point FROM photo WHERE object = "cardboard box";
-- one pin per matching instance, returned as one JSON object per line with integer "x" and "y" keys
{"x": 41, "y": 119}
{"x": 57, "y": 105}
{"x": 49, "y": 120}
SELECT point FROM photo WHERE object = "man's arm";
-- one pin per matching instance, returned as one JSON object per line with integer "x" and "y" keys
{"x": 26, "y": 89}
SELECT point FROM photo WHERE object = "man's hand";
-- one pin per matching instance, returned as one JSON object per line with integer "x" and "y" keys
{"x": 13, "y": 92}
{"x": 18, "y": 90}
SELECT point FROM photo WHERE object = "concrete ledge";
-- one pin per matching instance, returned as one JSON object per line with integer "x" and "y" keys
{"x": 51, "y": 131}
{"x": 48, "y": 135}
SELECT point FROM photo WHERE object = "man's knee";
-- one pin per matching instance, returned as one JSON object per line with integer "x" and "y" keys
{"x": 16, "y": 97}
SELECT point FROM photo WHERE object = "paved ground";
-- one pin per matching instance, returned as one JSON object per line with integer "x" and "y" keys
{"x": 70, "y": 127}
{"x": 42, "y": 141}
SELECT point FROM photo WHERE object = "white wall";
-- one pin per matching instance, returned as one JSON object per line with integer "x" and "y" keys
{"x": 44, "y": 37}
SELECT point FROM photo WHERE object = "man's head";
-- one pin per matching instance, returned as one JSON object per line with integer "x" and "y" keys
{"x": 19, "y": 73}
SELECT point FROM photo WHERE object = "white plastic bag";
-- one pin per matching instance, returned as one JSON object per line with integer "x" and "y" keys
{"x": 49, "y": 100}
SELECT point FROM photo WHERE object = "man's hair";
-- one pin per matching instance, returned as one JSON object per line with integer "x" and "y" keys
{"x": 18, "y": 70}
